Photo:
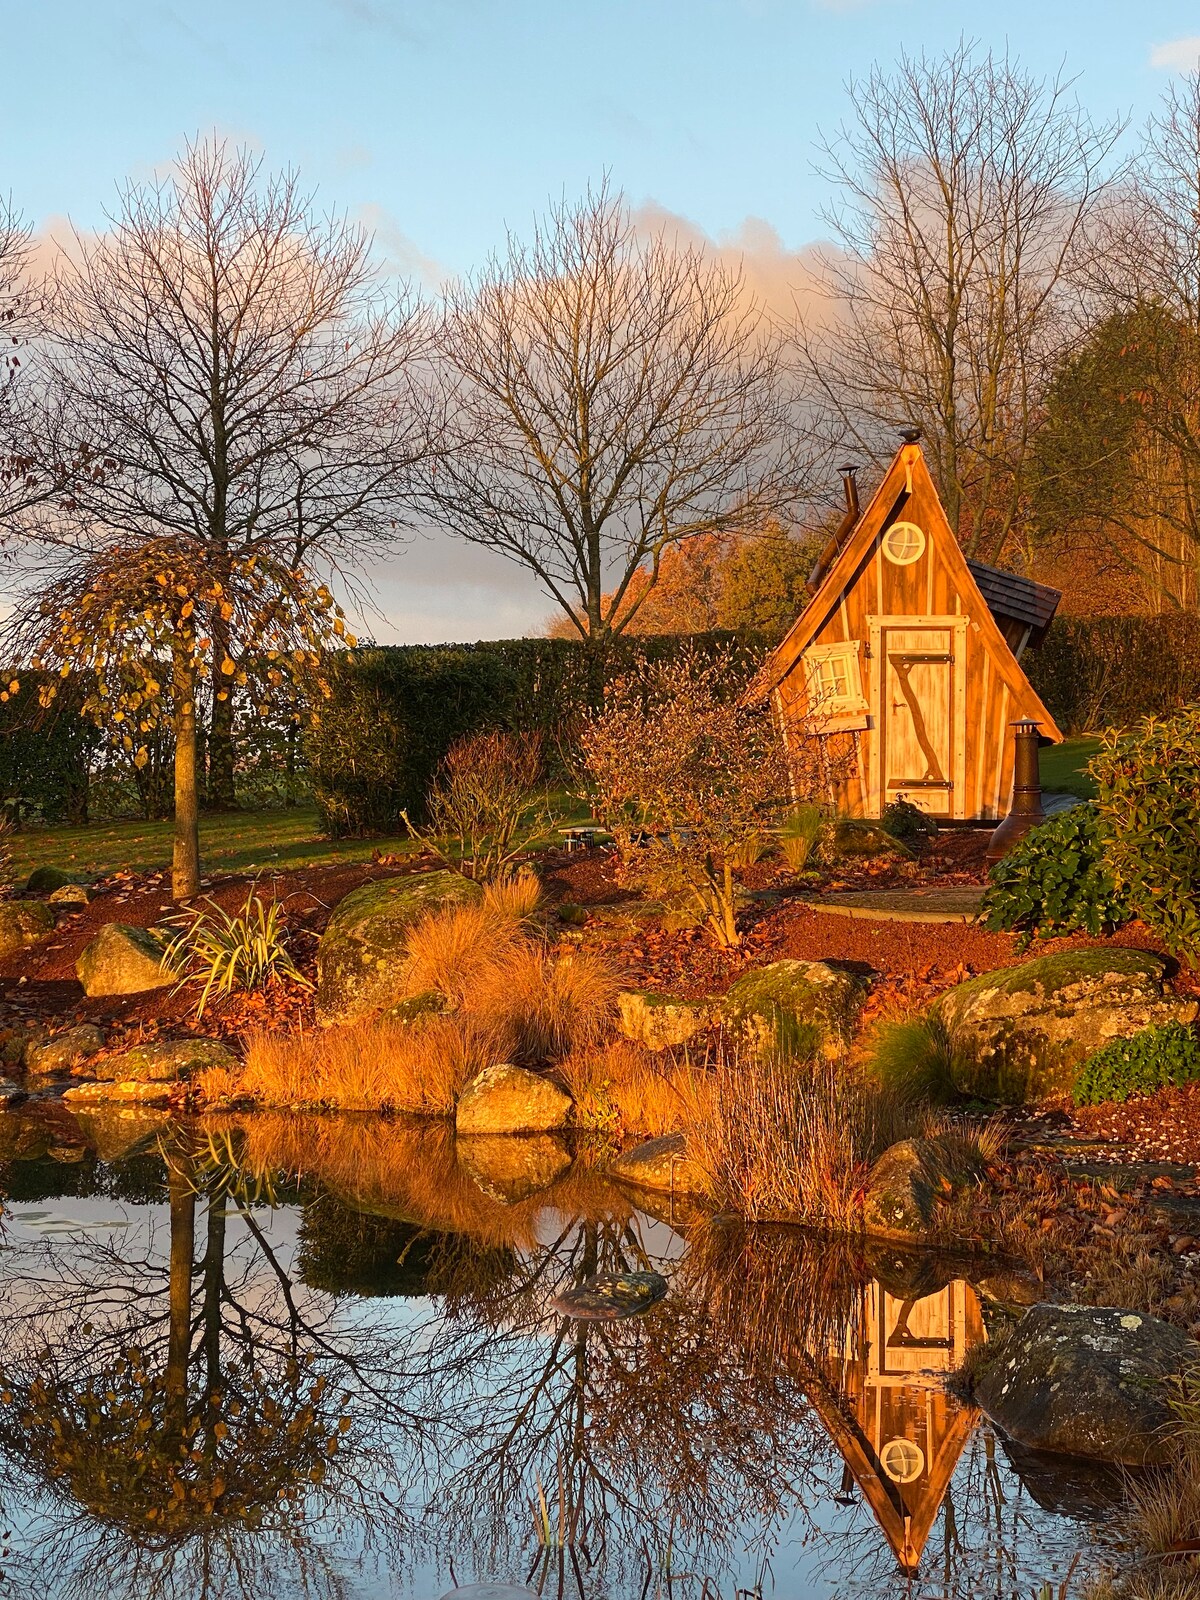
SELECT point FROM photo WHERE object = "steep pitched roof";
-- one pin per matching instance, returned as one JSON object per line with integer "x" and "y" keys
{"x": 907, "y": 466}
{"x": 1010, "y": 595}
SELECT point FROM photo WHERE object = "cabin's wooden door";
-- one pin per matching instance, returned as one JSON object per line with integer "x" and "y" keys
{"x": 920, "y": 712}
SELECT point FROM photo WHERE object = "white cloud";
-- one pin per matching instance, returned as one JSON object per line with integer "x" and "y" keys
{"x": 1177, "y": 55}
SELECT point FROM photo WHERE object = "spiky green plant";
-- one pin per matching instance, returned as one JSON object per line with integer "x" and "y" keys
{"x": 799, "y": 834}
{"x": 232, "y": 951}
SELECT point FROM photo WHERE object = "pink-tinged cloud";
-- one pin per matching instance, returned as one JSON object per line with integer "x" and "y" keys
{"x": 1177, "y": 55}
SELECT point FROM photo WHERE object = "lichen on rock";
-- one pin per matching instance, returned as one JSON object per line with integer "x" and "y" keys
{"x": 794, "y": 1008}
{"x": 122, "y": 960}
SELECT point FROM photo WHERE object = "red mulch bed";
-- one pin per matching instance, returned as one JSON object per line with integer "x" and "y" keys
{"x": 1157, "y": 1127}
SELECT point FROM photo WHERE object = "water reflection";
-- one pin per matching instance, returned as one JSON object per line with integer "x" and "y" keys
{"x": 318, "y": 1357}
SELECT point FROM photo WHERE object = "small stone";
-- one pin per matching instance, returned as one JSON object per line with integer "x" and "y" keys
{"x": 910, "y": 1177}
{"x": 490, "y": 1591}
{"x": 70, "y": 895}
{"x": 611, "y": 1295}
{"x": 144, "y": 1094}
{"x": 662, "y": 1165}
{"x": 23, "y": 923}
{"x": 793, "y": 1008}
{"x": 122, "y": 960}
{"x": 511, "y": 1099}
{"x": 659, "y": 1021}
{"x": 64, "y": 1050}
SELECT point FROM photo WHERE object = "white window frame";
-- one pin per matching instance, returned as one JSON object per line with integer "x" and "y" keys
{"x": 824, "y": 704}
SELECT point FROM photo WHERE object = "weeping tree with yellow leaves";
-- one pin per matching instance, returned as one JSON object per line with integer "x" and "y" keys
{"x": 227, "y": 396}
{"x": 133, "y": 620}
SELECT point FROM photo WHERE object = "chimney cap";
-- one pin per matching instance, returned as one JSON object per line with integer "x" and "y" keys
{"x": 848, "y": 468}
{"x": 910, "y": 435}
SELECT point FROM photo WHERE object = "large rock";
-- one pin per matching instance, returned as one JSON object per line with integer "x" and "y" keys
{"x": 122, "y": 960}
{"x": 1019, "y": 1035}
{"x": 117, "y": 1132}
{"x": 65, "y": 1050}
{"x": 23, "y": 923}
{"x": 360, "y": 960}
{"x": 70, "y": 897}
{"x": 795, "y": 1008}
{"x": 1087, "y": 1381}
{"x": 910, "y": 1177}
{"x": 659, "y": 1021}
{"x": 165, "y": 1061}
{"x": 104, "y": 1094}
{"x": 512, "y": 1168}
{"x": 44, "y": 880}
{"x": 662, "y": 1165}
{"x": 510, "y": 1099}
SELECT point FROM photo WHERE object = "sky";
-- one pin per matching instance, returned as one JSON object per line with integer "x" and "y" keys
{"x": 439, "y": 124}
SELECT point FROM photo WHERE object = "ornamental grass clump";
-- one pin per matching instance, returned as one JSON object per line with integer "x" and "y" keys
{"x": 228, "y": 952}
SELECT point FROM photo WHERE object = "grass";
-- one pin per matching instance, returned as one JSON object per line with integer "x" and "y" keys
{"x": 1063, "y": 767}
{"x": 912, "y": 1056}
{"x": 286, "y": 838}
{"x": 621, "y": 1089}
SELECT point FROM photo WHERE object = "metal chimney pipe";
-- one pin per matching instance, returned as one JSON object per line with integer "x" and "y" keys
{"x": 1026, "y": 809}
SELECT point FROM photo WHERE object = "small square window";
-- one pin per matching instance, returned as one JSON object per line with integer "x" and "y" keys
{"x": 834, "y": 681}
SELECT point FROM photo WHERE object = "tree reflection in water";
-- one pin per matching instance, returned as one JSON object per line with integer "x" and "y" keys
{"x": 229, "y": 1416}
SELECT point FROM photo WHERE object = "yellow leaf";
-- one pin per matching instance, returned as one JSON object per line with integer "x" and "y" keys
{"x": 228, "y": 667}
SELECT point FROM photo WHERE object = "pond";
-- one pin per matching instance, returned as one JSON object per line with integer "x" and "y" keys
{"x": 301, "y": 1356}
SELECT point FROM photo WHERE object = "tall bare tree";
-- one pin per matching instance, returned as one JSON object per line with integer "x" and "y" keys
{"x": 967, "y": 189}
{"x": 224, "y": 373}
{"x": 604, "y": 397}
{"x": 20, "y": 483}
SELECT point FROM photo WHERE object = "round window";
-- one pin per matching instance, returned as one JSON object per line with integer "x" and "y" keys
{"x": 904, "y": 543}
{"x": 902, "y": 1460}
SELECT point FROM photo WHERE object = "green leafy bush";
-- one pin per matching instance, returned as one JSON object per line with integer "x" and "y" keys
{"x": 907, "y": 822}
{"x": 1148, "y": 792}
{"x": 1056, "y": 880}
{"x": 1156, "y": 1058}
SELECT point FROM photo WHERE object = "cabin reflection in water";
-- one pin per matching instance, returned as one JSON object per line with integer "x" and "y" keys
{"x": 882, "y": 1398}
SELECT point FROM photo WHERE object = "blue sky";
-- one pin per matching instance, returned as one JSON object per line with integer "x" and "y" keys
{"x": 438, "y": 123}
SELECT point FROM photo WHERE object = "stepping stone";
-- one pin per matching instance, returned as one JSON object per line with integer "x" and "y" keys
{"x": 611, "y": 1295}
{"x": 954, "y": 903}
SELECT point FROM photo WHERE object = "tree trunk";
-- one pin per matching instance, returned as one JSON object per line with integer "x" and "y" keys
{"x": 182, "y": 1196}
{"x": 185, "y": 862}
{"x": 219, "y": 791}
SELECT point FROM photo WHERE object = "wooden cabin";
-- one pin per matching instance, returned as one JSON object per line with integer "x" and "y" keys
{"x": 882, "y": 1398}
{"x": 902, "y": 676}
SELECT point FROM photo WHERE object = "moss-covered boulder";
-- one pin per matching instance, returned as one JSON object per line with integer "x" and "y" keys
{"x": 360, "y": 960}
{"x": 512, "y": 1169}
{"x": 910, "y": 1178}
{"x": 662, "y": 1165}
{"x": 44, "y": 880}
{"x": 70, "y": 897}
{"x": 122, "y": 960}
{"x": 660, "y": 1021}
{"x": 23, "y": 923}
{"x": 1019, "y": 1035}
{"x": 65, "y": 1050}
{"x": 795, "y": 1008}
{"x": 164, "y": 1061}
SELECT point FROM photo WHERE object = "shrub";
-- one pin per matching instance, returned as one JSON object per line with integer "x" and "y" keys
{"x": 1156, "y": 1058}
{"x": 686, "y": 776}
{"x": 1056, "y": 880}
{"x": 912, "y": 1056}
{"x": 1096, "y": 672}
{"x": 907, "y": 822}
{"x": 458, "y": 949}
{"x": 483, "y": 807}
{"x": 1148, "y": 791}
{"x": 229, "y": 951}
{"x": 800, "y": 834}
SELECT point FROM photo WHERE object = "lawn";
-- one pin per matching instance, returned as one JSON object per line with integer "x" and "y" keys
{"x": 236, "y": 841}
{"x": 1063, "y": 767}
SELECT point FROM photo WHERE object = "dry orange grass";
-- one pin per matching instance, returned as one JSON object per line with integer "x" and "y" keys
{"x": 372, "y": 1065}
{"x": 461, "y": 949}
{"x": 555, "y": 1002}
{"x": 620, "y": 1088}
{"x": 517, "y": 897}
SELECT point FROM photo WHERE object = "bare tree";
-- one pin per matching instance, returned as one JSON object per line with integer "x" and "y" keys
{"x": 224, "y": 374}
{"x": 967, "y": 191}
{"x": 20, "y": 484}
{"x": 604, "y": 397}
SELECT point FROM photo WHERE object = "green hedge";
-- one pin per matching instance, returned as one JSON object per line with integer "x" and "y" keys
{"x": 1101, "y": 672}
{"x": 45, "y": 755}
{"x": 396, "y": 710}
